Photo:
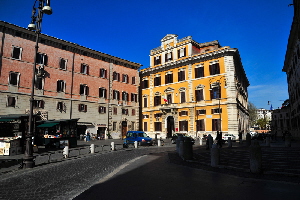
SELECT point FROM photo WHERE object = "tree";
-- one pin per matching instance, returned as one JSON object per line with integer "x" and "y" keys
{"x": 262, "y": 123}
{"x": 252, "y": 114}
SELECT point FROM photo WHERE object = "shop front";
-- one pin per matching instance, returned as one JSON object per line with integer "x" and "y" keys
{"x": 57, "y": 133}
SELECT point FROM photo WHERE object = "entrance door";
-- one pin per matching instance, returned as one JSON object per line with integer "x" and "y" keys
{"x": 170, "y": 126}
{"x": 124, "y": 129}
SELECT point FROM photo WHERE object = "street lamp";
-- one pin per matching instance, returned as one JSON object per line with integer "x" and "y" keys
{"x": 35, "y": 25}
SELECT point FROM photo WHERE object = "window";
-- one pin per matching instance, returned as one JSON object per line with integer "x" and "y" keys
{"x": 116, "y": 76}
{"x": 199, "y": 72}
{"x": 145, "y": 126}
{"x": 63, "y": 64}
{"x": 38, "y": 104}
{"x": 39, "y": 82}
{"x": 84, "y": 89}
{"x": 216, "y": 124}
{"x": 157, "y": 60}
{"x": 168, "y": 57}
{"x": 201, "y": 112}
{"x": 102, "y": 92}
{"x": 133, "y": 97}
{"x": 60, "y": 106}
{"x": 169, "y": 98}
{"x": 16, "y": 52}
{"x": 115, "y": 111}
{"x": 181, "y": 75}
{"x": 14, "y": 78}
{"x": 199, "y": 95}
{"x": 183, "y": 125}
{"x": 157, "y": 100}
{"x": 145, "y": 102}
{"x": 157, "y": 81}
{"x": 146, "y": 116}
{"x": 103, "y": 73}
{"x": 11, "y": 101}
{"x": 214, "y": 69}
{"x": 84, "y": 69}
{"x": 216, "y": 110}
{"x": 145, "y": 84}
{"x": 200, "y": 126}
{"x": 182, "y": 97}
{"x": 168, "y": 78}
{"x": 133, "y": 112}
{"x": 133, "y": 80}
{"x": 61, "y": 86}
{"x": 124, "y": 96}
{"x": 125, "y": 78}
{"x": 183, "y": 113}
{"x": 41, "y": 58}
{"x": 124, "y": 111}
{"x": 82, "y": 108}
{"x": 102, "y": 109}
{"x": 181, "y": 53}
{"x": 157, "y": 126}
{"x": 215, "y": 92}
{"x": 116, "y": 94}
{"x": 114, "y": 126}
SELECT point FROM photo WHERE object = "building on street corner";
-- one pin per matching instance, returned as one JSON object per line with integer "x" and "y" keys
{"x": 72, "y": 82}
{"x": 193, "y": 88}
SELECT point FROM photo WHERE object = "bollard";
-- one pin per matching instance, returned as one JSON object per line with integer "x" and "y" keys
{"x": 248, "y": 139}
{"x": 287, "y": 141}
{"x": 187, "y": 149}
{"x": 267, "y": 141}
{"x": 180, "y": 150}
{"x": 255, "y": 158}
{"x": 179, "y": 138}
{"x": 201, "y": 141}
{"x": 158, "y": 143}
{"x": 229, "y": 142}
{"x": 92, "y": 148}
{"x": 135, "y": 144}
{"x": 112, "y": 146}
{"x": 214, "y": 155}
{"x": 66, "y": 152}
{"x": 210, "y": 141}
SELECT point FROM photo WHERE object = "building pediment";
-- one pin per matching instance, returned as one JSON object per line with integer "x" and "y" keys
{"x": 169, "y": 37}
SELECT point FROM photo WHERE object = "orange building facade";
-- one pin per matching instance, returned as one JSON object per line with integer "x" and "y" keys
{"x": 193, "y": 88}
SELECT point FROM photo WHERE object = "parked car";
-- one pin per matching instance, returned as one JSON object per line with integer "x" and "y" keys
{"x": 175, "y": 136}
{"x": 259, "y": 136}
{"x": 227, "y": 135}
{"x": 139, "y": 136}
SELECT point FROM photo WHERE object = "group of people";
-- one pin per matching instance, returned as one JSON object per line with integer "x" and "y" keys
{"x": 218, "y": 138}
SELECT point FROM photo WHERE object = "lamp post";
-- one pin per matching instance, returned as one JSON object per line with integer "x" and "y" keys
{"x": 42, "y": 7}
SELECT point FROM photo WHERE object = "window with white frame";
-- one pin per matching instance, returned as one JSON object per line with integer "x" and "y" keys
{"x": 133, "y": 112}
{"x": 124, "y": 111}
{"x": 201, "y": 112}
{"x": 157, "y": 60}
{"x": 199, "y": 71}
{"x": 183, "y": 113}
{"x": 84, "y": 69}
{"x": 145, "y": 126}
{"x": 82, "y": 108}
{"x": 39, "y": 82}
{"x": 84, "y": 89}
{"x": 116, "y": 76}
{"x": 38, "y": 104}
{"x": 14, "y": 78}
{"x": 62, "y": 64}
{"x": 60, "y": 106}
{"x": 214, "y": 68}
{"x": 183, "y": 125}
{"x": 199, "y": 93}
{"x": 216, "y": 110}
{"x": 124, "y": 96}
{"x": 169, "y": 78}
{"x": 11, "y": 101}
{"x": 145, "y": 102}
{"x": 125, "y": 78}
{"x": 215, "y": 91}
{"x": 41, "y": 58}
{"x": 103, "y": 73}
{"x": 182, "y": 95}
{"x": 157, "y": 81}
{"x": 61, "y": 85}
{"x": 102, "y": 109}
{"x": 134, "y": 97}
{"x": 116, "y": 94}
{"x": 16, "y": 52}
{"x": 181, "y": 75}
{"x": 200, "y": 125}
{"x": 102, "y": 92}
{"x": 181, "y": 52}
{"x": 168, "y": 57}
{"x": 133, "y": 80}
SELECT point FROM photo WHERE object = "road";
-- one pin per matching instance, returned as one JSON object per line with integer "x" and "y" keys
{"x": 154, "y": 177}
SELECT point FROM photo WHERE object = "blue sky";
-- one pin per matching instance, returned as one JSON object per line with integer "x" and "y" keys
{"x": 130, "y": 29}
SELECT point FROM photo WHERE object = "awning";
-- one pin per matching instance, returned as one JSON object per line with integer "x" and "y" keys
{"x": 47, "y": 125}
{"x": 6, "y": 120}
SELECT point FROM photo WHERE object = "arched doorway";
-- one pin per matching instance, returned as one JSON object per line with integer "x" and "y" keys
{"x": 170, "y": 126}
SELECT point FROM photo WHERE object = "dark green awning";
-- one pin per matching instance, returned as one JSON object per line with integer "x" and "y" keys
{"x": 5, "y": 119}
{"x": 47, "y": 125}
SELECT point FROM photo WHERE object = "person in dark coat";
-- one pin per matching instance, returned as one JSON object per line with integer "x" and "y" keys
{"x": 219, "y": 138}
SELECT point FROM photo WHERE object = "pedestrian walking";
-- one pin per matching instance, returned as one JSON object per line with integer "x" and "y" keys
{"x": 219, "y": 139}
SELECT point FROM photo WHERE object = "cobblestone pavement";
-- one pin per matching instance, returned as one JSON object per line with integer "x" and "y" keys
{"x": 65, "y": 179}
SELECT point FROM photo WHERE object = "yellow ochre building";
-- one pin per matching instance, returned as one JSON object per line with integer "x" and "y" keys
{"x": 193, "y": 88}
